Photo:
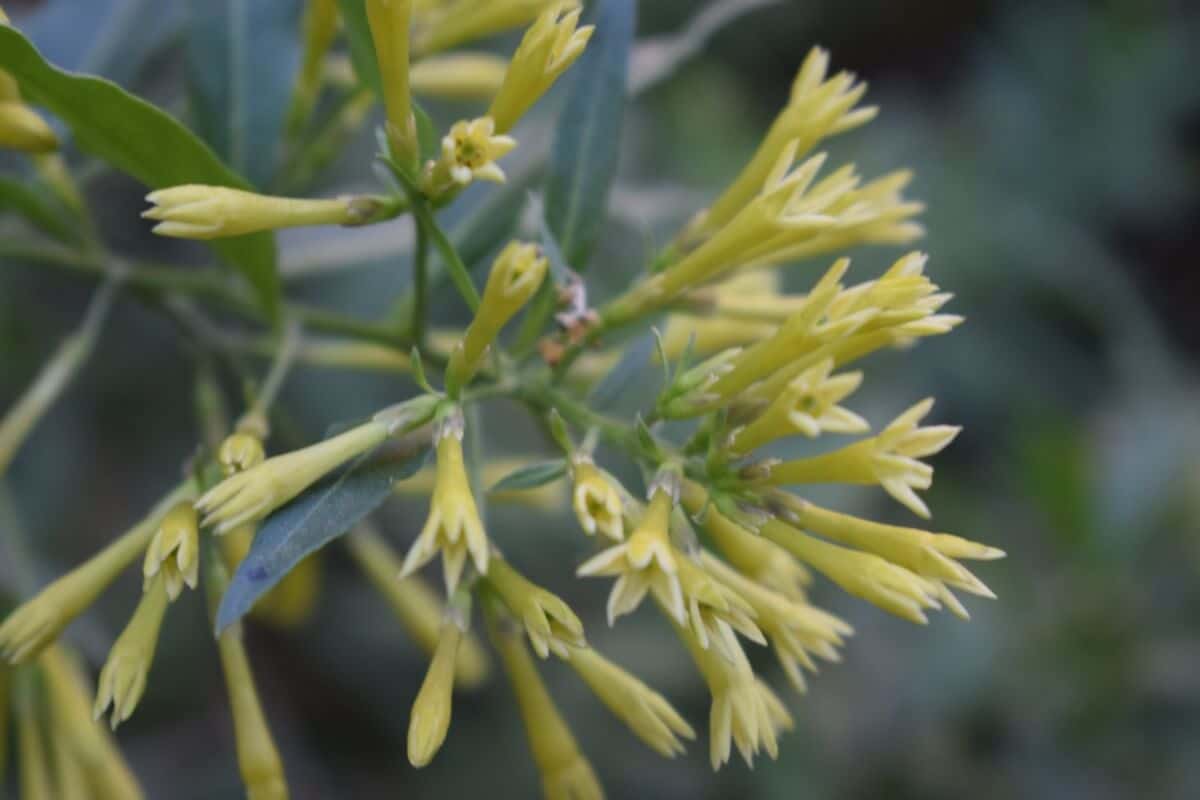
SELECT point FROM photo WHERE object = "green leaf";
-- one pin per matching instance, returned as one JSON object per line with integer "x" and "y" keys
{"x": 587, "y": 141}
{"x": 318, "y": 516}
{"x": 362, "y": 46}
{"x": 242, "y": 59}
{"x": 141, "y": 140}
{"x": 531, "y": 476}
{"x": 24, "y": 199}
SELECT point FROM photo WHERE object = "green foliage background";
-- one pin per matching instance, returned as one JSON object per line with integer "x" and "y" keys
{"x": 1058, "y": 148}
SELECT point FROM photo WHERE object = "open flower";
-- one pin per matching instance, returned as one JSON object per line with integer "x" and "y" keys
{"x": 645, "y": 562}
{"x": 797, "y": 631}
{"x": 890, "y": 459}
{"x": 809, "y": 406}
{"x": 596, "y": 500}
{"x": 123, "y": 679}
{"x": 174, "y": 552}
{"x": 469, "y": 152}
{"x": 549, "y": 622}
{"x": 744, "y": 710}
{"x": 715, "y": 611}
{"x": 453, "y": 527}
{"x": 645, "y": 711}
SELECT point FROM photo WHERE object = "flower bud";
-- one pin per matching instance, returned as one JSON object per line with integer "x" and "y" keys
{"x": 459, "y": 76}
{"x": 549, "y": 46}
{"x": 200, "y": 211}
{"x": 22, "y": 129}
{"x": 239, "y": 452}
{"x": 389, "y": 21}
{"x": 516, "y": 275}
{"x": 429, "y": 720}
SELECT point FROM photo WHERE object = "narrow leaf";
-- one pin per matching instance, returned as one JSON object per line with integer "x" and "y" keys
{"x": 242, "y": 59}
{"x": 362, "y": 46}
{"x": 587, "y": 141}
{"x": 140, "y": 140}
{"x": 315, "y": 518}
{"x": 531, "y": 476}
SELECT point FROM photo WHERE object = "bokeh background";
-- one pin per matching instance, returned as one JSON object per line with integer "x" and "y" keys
{"x": 1058, "y": 148}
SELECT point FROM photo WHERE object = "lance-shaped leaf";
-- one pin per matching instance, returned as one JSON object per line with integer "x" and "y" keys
{"x": 587, "y": 143}
{"x": 140, "y": 140}
{"x": 318, "y": 516}
{"x": 242, "y": 59}
{"x": 531, "y": 476}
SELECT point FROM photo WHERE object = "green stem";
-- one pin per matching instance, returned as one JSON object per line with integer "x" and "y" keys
{"x": 420, "y": 315}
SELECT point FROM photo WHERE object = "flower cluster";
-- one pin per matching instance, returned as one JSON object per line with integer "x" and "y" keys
{"x": 722, "y": 540}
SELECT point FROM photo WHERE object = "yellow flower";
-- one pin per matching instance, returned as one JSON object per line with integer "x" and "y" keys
{"x": 647, "y": 713}
{"x": 891, "y": 587}
{"x": 566, "y": 773}
{"x": 255, "y": 493}
{"x": 22, "y": 129}
{"x": 550, "y": 45}
{"x": 416, "y": 605}
{"x": 320, "y": 26}
{"x": 39, "y": 621}
{"x": 795, "y": 628}
{"x": 123, "y": 679}
{"x": 817, "y": 108}
{"x": 744, "y": 710}
{"x": 644, "y": 562}
{"x": 549, "y": 622}
{"x": 890, "y": 459}
{"x": 198, "y": 211}
{"x": 469, "y": 152}
{"x": 515, "y": 276}
{"x": 459, "y": 76}
{"x": 429, "y": 720}
{"x": 596, "y": 500}
{"x": 753, "y": 555}
{"x": 714, "y": 611}
{"x": 544, "y": 498}
{"x": 390, "y": 29}
{"x": 930, "y": 555}
{"x": 175, "y": 551}
{"x": 453, "y": 526}
{"x": 239, "y": 452}
{"x": 809, "y": 406}
{"x": 453, "y": 22}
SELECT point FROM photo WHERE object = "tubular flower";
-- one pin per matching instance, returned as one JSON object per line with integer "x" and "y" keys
{"x": 596, "y": 500}
{"x": 549, "y": 622}
{"x": 809, "y": 406}
{"x": 566, "y": 773}
{"x": 22, "y": 129}
{"x": 550, "y": 45}
{"x": 715, "y": 611}
{"x": 645, "y": 711}
{"x": 174, "y": 552}
{"x": 469, "y": 152}
{"x": 390, "y": 22}
{"x": 453, "y": 526}
{"x": 442, "y": 25}
{"x": 645, "y": 562}
{"x": 430, "y": 718}
{"x": 253, "y": 494}
{"x": 744, "y": 710}
{"x": 889, "y": 459}
{"x": 459, "y": 76}
{"x": 516, "y": 275}
{"x": 123, "y": 679}
{"x": 797, "y": 630}
{"x": 817, "y": 108}
{"x": 197, "y": 211}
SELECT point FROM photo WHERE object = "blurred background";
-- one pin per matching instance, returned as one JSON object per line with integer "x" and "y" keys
{"x": 1057, "y": 146}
